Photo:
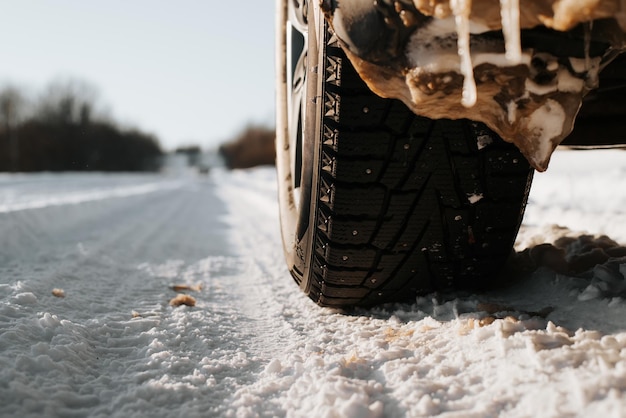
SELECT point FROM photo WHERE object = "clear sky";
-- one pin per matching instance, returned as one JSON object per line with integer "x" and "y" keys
{"x": 188, "y": 71}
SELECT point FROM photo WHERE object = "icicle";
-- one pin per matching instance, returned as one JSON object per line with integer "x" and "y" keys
{"x": 591, "y": 67}
{"x": 509, "y": 12}
{"x": 588, "y": 29}
{"x": 461, "y": 10}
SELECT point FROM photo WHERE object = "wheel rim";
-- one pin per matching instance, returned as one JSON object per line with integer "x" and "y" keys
{"x": 296, "y": 68}
{"x": 291, "y": 76}
{"x": 297, "y": 129}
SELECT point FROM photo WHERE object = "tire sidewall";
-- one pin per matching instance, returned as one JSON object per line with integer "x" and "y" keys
{"x": 298, "y": 220}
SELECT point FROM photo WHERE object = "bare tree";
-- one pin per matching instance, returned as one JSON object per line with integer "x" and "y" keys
{"x": 66, "y": 130}
{"x": 68, "y": 101}
{"x": 12, "y": 105}
{"x": 255, "y": 145}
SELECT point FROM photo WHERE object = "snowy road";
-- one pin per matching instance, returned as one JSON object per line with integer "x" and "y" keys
{"x": 253, "y": 345}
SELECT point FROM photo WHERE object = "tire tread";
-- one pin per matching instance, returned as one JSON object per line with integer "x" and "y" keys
{"x": 394, "y": 216}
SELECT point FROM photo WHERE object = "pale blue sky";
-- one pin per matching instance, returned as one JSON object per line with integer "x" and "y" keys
{"x": 189, "y": 71}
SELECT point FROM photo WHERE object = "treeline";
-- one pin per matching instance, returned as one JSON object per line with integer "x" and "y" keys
{"x": 253, "y": 146}
{"x": 65, "y": 130}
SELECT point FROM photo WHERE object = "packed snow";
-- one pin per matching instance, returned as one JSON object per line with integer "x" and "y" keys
{"x": 89, "y": 264}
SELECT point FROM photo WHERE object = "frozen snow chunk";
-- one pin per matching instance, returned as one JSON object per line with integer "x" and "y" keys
{"x": 616, "y": 302}
{"x": 484, "y": 333}
{"x": 591, "y": 292}
{"x": 550, "y": 341}
{"x": 314, "y": 362}
{"x": 510, "y": 326}
{"x": 428, "y": 406}
{"x": 312, "y": 348}
{"x": 608, "y": 273}
{"x": 357, "y": 406}
{"x": 25, "y": 298}
{"x": 196, "y": 378}
{"x": 49, "y": 321}
{"x": 483, "y": 141}
{"x": 609, "y": 341}
{"x": 474, "y": 198}
{"x": 274, "y": 366}
{"x": 394, "y": 354}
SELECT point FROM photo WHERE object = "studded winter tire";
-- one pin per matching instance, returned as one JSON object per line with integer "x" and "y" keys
{"x": 378, "y": 204}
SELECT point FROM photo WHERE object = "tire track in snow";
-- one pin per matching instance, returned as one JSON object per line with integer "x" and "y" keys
{"x": 253, "y": 219}
{"x": 305, "y": 349}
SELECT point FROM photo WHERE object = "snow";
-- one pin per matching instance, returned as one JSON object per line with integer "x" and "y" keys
{"x": 545, "y": 125}
{"x": 546, "y": 344}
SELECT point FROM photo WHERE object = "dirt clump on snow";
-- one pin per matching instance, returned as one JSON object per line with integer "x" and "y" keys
{"x": 59, "y": 293}
{"x": 186, "y": 287}
{"x": 183, "y": 299}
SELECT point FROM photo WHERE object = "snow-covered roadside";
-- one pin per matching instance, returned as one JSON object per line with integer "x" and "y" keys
{"x": 582, "y": 190}
{"x": 113, "y": 346}
{"x": 445, "y": 354}
{"x": 253, "y": 345}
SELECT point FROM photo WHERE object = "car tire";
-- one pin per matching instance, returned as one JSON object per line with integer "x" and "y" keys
{"x": 378, "y": 204}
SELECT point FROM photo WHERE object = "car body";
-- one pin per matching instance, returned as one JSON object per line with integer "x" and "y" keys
{"x": 408, "y": 132}
{"x": 523, "y": 68}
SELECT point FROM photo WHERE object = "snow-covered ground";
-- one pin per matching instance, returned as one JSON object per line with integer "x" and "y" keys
{"x": 546, "y": 345}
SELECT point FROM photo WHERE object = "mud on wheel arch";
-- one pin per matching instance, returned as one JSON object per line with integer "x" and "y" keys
{"x": 377, "y": 203}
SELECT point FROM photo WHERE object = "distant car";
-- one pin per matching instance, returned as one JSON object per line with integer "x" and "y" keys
{"x": 408, "y": 133}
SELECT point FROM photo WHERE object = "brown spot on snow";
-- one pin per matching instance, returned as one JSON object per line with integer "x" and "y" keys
{"x": 59, "y": 293}
{"x": 183, "y": 300}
